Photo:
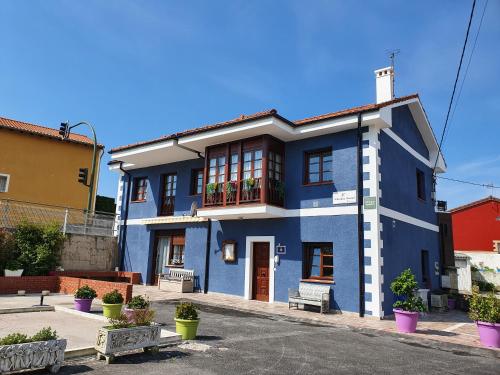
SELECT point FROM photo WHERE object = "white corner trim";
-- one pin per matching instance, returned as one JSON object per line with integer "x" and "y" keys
{"x": 249, "y": 264}
{"x": 407, "y": 147}
{"x": 6, "y": 182}
{"x": 408, "y": 219}
{"x": 141, "y": 149}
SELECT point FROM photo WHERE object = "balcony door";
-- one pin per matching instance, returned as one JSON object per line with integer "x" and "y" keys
{"x": 169, "y": 187}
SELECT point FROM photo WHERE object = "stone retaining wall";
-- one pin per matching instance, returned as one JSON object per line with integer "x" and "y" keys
{"x": 86, "y": 252}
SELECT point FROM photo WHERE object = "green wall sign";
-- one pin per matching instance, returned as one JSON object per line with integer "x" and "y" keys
{"x": 370, "y": 203}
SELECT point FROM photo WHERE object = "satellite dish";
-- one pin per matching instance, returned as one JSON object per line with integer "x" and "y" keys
{"x": 194, "y": 208}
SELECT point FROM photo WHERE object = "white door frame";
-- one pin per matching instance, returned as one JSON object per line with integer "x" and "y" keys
{"x": 249, "y": 265}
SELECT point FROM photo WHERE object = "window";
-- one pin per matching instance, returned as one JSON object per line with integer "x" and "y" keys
{"x": 420, "y": 184}
{"x": 196, "y": 181}
{"x": 275, "y": 166}
{"x": 233, "y": 171}
{"x": 318, "y": 261}
{"x": 424, "y": 260}
{"x": 318, "y": 167}
{"x": 170, "y": 251}
{"x": 252, "y": 164}
{"x": 216, "y": 172}
{"x": 139, "y": 190}
{"x": 4, "y": 183}
{"x": 168, "y": 196}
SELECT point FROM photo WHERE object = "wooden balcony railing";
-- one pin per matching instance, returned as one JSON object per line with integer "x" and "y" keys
{"x": 167, "y": 207}
{"x": 244, "y": 191}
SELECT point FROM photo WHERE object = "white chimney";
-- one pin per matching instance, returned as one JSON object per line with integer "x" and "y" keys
{"x": 384, "y": 82}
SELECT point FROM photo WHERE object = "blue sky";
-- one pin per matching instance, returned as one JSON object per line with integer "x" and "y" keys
{"x": 141, "y": 69}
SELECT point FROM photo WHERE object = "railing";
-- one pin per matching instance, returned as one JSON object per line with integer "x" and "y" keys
{"x": 13, "y": 213}
{"x": 167, "y": 207}
{"x": 250, "y": 190}
{"x": 276, "y": 192}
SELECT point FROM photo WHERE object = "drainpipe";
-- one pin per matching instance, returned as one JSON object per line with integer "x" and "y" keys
{"x": 123, "y": 230}
{"x": 207, "y": 256}
{"x": 361, "y": 249}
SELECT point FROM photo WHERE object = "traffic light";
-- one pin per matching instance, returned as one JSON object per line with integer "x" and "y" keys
{"x": 82, "y": 175}
{"x": 63, "y": 130}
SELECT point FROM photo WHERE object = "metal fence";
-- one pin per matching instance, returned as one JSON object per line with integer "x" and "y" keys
{"x": 13, "y": 213}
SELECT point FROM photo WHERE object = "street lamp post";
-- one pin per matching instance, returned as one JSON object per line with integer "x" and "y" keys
{"x": 65, "y": 131}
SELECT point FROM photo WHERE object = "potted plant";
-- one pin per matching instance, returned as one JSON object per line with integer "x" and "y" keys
{"x": 112, "y": 303}
{"x": 249, "y": 183}
{"x": 452, "y": 301}
{"x": 485, "y": 311}
{"x": 83, "y": 298}
{"x": 13, "y": 268}
{"x": 42, "y": 350}
{"x": 406, "y": 309}
{"x": 186, "y": 320}
{"x": 123, "y": 335}
{"x": 135, "y": 306}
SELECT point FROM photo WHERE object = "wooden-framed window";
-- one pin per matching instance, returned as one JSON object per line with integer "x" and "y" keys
{"x": 252, "y": 164}
{"x": 275, "y": 166}
{"x": 420, "y": 184}
{"x": 196, "y": 181}
{"x": 233, "y": 167}
{"x": 216, "y": 171}
{"x": 139, "y": 189}
{"x": 169, "y": 187}
{"x": 169, "y": 251}
{"x": 318, "y": 262}
{"x": 318, "y": 168}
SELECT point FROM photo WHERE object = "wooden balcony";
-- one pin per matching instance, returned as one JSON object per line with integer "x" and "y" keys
{"x": 262, "y": 157}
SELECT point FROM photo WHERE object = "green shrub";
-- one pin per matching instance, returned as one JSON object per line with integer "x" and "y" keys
{"x": 38, "y": 247}
{"x": 484, "y": 308}
{"x": 120, "y": 322}
{"x": 45, "y": 334}
{"x": 85, "y": 292}
{"x": 186, "y": 311}
{"x": 138, "y": 303}
{"x": 112, "y": 298}
{"x": 484, "y": 286}
{"x": 14, "y": 338}
{"x": 13, "y": 265}
{"x": 404, "y": 286}
{"x": 7, "y": 248}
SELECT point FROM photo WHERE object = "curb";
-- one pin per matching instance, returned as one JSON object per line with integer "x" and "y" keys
{"x": 18, "y": 310}
{"x": 79, "y": 352}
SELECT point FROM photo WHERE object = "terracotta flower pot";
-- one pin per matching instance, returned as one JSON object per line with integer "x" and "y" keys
{"x": 406, "y": 321}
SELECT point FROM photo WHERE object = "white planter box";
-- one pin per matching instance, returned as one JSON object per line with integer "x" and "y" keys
{"x": 13, "y": 272}
{"x": 33, "y": 355}
{"x": 110, "y": 342}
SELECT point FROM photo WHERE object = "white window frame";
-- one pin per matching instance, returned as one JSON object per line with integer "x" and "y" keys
{"x": 7, "y": 183}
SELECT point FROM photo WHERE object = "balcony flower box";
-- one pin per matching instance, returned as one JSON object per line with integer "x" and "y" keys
{"x": 33, "y": 355}
{"x": 112, "y": 341}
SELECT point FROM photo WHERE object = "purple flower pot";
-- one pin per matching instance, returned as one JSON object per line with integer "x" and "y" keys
{"x": 452, "y": 303}
{"x": 406, "y": 321}
{"x": 489, "y": 334}
{"x": 83, "y": 304}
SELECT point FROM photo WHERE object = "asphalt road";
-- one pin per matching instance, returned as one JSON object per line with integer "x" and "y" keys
{"x": 232, "y": 342}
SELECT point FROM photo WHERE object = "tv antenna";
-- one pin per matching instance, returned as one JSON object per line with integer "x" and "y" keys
{"x": 392, "y": 56}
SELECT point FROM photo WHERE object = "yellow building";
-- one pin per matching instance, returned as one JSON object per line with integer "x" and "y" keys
{"x": 37, "y": 166}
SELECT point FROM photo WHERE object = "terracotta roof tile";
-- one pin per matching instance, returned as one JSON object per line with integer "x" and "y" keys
{"x": 42, "y": 131}
{"x": 263, "y": 114}
{"x": 476, "y": 203}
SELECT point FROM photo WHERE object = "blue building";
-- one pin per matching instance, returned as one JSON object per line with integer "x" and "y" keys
{"x": 259, "y": 203}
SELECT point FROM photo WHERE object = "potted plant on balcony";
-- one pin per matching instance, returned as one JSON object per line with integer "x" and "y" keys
{"x": 42, "y": 350}
{"x": 406, "y": 309}
{"x": 13, "y": 268}
{"x": 485, "y": 311}
{"x": 83, "y": 298}
{"x": 123, "y": 335}
{"x": 112, "y": 303}
{"x": 249, "y": 183}
{"x": 186, "y": 320}
{"x": 137, "y": 305}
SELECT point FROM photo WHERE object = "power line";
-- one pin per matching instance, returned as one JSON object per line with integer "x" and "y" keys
{"x": 467, "y": 68}
{"x": 455, "y": 84}
{"x": 489, "y": 186}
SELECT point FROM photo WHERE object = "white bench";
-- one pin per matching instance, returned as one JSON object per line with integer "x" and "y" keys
{"x": 177, "y": 280}
{"x": 310, "y": 294}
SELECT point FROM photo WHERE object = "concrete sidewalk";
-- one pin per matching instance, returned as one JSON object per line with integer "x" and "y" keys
{"x": 452, "y": 327}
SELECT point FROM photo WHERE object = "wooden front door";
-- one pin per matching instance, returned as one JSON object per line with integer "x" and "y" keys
{"x": 260, "y": 285}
